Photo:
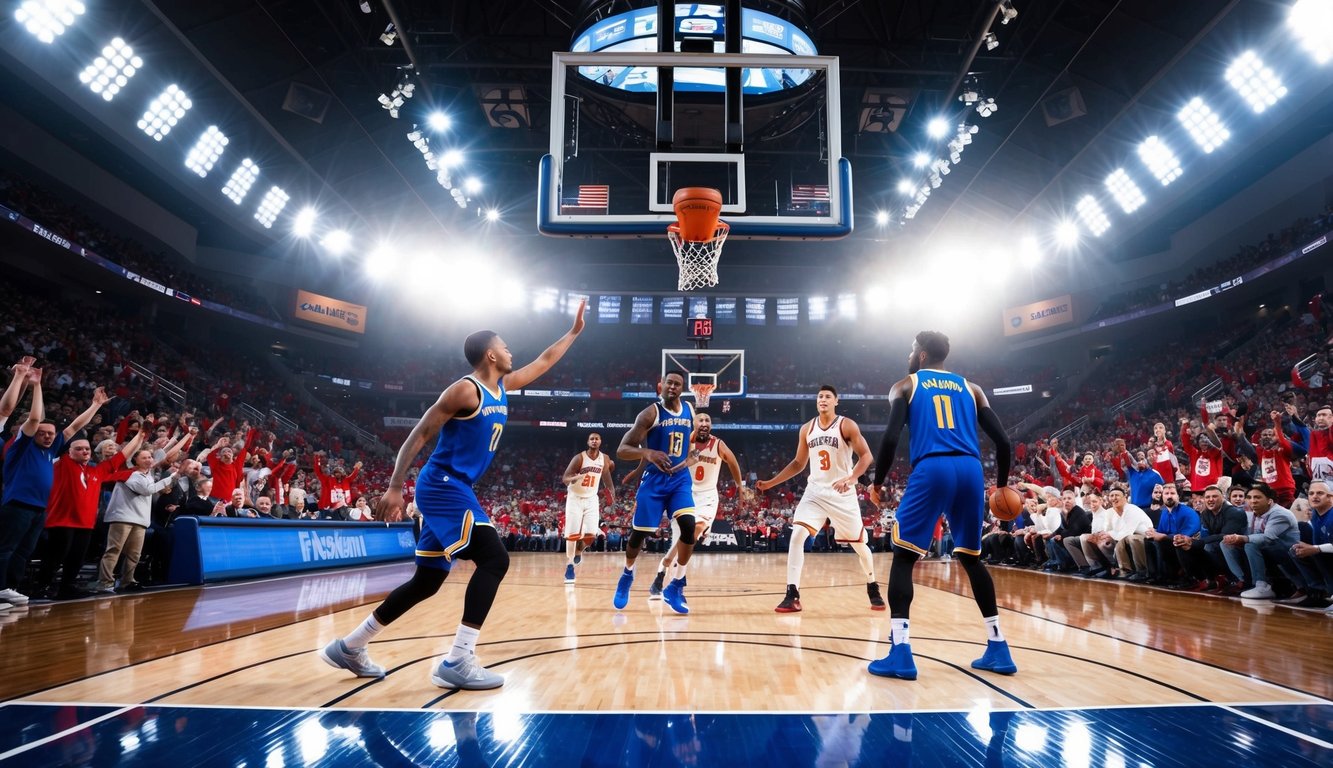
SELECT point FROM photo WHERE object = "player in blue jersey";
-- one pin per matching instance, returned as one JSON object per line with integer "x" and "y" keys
{"x": 469, "y": 418}
{"x": 661, "y": 437}
{"x": 941, "y": 411}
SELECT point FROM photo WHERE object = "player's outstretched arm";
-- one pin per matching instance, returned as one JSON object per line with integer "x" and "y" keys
{"x": 733, "y": 465}
{"x": 888, "y": 447}
{"x": 794, "y": 466}
{"x": 461, "y": 397}
{"x": 528, "y": 373}
{"x": 990, "y": 424}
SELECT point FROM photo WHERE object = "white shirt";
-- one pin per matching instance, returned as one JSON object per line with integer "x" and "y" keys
{"x": 1049, "y": 522}
{"x": 1134, "y": 520}
{"x": 1101, "y": 520}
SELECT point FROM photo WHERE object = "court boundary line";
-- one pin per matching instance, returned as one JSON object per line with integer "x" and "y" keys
{"x": 1134, "y": 643}
{"x": 1279, "y": 727}
{"x": 67, "y": 732}
{"x": 708, "y": 712}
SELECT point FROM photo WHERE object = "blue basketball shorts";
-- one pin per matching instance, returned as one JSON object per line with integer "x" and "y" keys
{"x": 942, "y": 485}
{"x": 658, "y": 494}
{"x": 449, "y": 513}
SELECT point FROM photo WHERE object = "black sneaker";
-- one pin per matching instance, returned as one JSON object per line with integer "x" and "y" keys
{"x": 655, "y": 591}
{"x": 876, "y": 602}
{"x": 792, "y": 602}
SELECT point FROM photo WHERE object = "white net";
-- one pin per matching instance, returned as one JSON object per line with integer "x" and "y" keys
{"x": 697, "y": 260}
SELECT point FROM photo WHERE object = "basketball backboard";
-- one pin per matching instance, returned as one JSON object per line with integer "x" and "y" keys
{"x": 610, "y": 174}
{"x": 723, "y": 368}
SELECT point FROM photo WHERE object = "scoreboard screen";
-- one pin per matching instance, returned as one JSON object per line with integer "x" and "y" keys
{"x": 699, "y": 328}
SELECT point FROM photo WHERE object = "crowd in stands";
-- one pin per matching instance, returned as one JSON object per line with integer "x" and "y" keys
{"x": 1247, "y": 257}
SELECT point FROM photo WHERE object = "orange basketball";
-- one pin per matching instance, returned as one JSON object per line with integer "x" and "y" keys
{"x": 1006, "y": 503}
{"x": 697, "y": 209}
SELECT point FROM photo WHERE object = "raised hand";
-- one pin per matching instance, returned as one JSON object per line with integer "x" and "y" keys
{"x": 34, "y": 376}
{"x": 577, "y": 328}
{"x": 101, "y": 398}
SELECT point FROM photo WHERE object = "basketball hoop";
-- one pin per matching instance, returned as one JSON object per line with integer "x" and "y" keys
{"x": 697, "y": 236}
{"x": 701, "y": 392}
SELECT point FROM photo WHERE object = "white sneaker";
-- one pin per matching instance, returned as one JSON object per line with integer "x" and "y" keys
{"x": 102, "y": 588}
{"x": 357, "y": 661}
{"x": 465, "y": 674}
{"x": 1261, "y": 591}
{"x": 13, "y": 597}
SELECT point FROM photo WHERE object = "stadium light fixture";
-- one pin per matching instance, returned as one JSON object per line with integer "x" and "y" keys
{"x": 48, "y": 19}
{"x": 991, "y": 41}
{"x": 1007, "y": 12}
{"x": 472, "y": 185}
{"x": 937, "y": 128}
{"x": 379, "y": 263}
{"x": 1256, "y": 83}
{"x": 511, "y": 294}
{"x": 1203, "y": 125}
{"x": 1093, "y": 216}
{"x": 206, "y": 151}
{"x": 439, "y": 121}
{"x": 272, "y": 204}
{"x": 112, "y": 70}
{"x": 1160, "y": 160}
{"x": 545, "y": 299}
{"x": 876, "y": 299}
{"x": 304, "y": 223}
{"x": 337, "y": 242}
{"x": 1310, "y": 21}
{"x": 1067, "y": 234}
{"x": 492, "y": 214}
{"x": 1126, "y": 193}
{"x": 881, "y": 217}
{"x": 920, "y": 159}
{"x": 906, "y": 186}
{"x": 164, "y": 112}
{"x": 451, "y": 158}
{"x": 847, "y": 309}
{"x": 238, "y": 186}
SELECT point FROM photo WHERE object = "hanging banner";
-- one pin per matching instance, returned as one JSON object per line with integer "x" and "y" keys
{"x": 335, "y": 313}
{"x": 1038, "y": 316}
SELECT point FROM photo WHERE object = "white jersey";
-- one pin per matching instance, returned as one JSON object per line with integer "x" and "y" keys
{"x": 706, "y": 472}
{"x": 589, "y": 477}
{"x": 830, "y": 454}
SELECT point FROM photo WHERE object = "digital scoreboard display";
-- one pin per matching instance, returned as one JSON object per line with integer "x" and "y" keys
{"x": 699, "y": 328}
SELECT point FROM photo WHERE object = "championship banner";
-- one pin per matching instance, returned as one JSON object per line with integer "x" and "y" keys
{"x": 1038, "y": 316}
{"x": 335, "y": 313}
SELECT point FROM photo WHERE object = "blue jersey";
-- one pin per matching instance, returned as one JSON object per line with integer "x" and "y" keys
{"x": 670, "y": 434}
{"x": 941, "y": 416}
{"x": 467, "y": 443}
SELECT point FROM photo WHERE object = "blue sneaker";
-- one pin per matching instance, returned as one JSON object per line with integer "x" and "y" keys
{"x": 683, "y": 584}
{"x": 578, "y": 558}
{"x": 569, "y": 574}
{"x": 996, "y": 658}
{"x": 622, "y": 590}
{"x": 897, "y": 664}
{"x": 674, "y": 596}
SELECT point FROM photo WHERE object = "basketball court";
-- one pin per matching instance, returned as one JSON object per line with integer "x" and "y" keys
{"x": 1109, "y": 674}
{"x": 712, "y": 146}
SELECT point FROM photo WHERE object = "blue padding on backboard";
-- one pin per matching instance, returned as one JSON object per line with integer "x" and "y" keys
{"x": 799, "y": 229}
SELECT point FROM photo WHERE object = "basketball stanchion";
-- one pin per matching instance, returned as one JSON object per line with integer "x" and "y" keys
{"x": 697, "y": 236}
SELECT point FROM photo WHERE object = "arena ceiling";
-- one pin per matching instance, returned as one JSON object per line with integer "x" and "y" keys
{"x": 1072, "y": 79}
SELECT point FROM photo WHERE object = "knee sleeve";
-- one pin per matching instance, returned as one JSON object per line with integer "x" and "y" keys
{"x": 636, "y": 538}
{"x": 685, "y": 524}
{"x": 487, "y": 552}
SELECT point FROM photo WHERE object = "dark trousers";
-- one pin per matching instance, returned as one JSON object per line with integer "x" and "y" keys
{"x": 20, "y": 526}
{"x": 1203, "y": 561}
{"x": 66, "y": 548}
{"x": 1314, "y": 573}
{"x": 1161, "y": 556}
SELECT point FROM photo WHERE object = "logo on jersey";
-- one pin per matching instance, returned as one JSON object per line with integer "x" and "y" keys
{"x": 941, "y": 384}
{"x": 829, "y": 440}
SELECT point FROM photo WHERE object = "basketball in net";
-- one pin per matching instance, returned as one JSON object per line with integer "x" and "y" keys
{"x": 697, "y": 236}
{"x": 702, "y": 392}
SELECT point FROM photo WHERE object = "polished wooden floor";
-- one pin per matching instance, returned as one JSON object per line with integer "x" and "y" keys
{"x": 564, "y": 648}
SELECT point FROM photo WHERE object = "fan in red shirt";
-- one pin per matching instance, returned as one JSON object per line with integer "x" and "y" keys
{"x": 1087, "y": 473}
{"x": 1321, "y": 445}
{"x": 1162, "y": 454}
{"x": 71, "y": 512}
{"x": 335, "y": 490}
{"x": 1205, "y": 456}
{"x": 1272, "y": 453}
{"x": 226, "y": 465}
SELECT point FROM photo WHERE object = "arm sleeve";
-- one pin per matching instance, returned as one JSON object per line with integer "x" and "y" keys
{"x": 990, "y": 424}
{"x": 889, "y": 445}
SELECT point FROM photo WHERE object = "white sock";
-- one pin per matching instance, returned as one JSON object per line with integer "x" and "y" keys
{"x": 571, "y": 549}
{"x": 465, "y": 643}
{"x": 993, "y": 629}
{"x": 629, "y": 569}
{"x": 796, "y": 554}
{"x": 900, "y": 635}
{"x": 680, "y": 571}
{"x": 363, "y": 634}
{"x": 867, "y": 561}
